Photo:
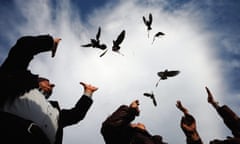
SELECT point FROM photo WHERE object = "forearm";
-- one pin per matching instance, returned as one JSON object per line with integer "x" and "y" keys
{"x": 24, "y": 50}
{"x": 76, "y": 114}
{"x": 35, "y": 44}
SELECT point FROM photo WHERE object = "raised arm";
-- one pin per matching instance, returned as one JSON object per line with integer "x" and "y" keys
{"x": 229, "y": 117}
{"x": 123, "y": 115}
{"x": 14, "y": 76}
{"x": 79, "y": 111}
{"x": 24, "y": 50}
{"x": 210, "y": 99}
{"x": 181, "y": 107}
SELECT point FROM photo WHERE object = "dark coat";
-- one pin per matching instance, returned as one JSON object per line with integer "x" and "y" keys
{"x": 14, "y": 128}
{"x": 68, "y": 117}
{"x": 116, "y": 129}
{"x": 15, "y": 77}
{"x": 231, "y": 120}
{"x": 227, "y": 141}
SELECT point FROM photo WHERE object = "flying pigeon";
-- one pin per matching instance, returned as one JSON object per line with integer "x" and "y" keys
{"x": 157, "y": 35}
{"x": 148, "y": 22}
{"x": 95, "y": 43}
{"x": 165, "y": 74}
{"x": 151, "y": 95}
{"x": 116, "y": 43}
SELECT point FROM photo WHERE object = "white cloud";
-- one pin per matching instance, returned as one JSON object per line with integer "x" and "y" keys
{"x": 122, "y": 79}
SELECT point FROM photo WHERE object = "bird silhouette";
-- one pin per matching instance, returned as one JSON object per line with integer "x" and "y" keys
{"x": 157, "y": 35}
{"x": 95, "y": 43}
{"x": 116, "y": 43}
{"x": 165, "y": 74}
{"x": 151, "y": 95}
{"x": 148, "y": 22}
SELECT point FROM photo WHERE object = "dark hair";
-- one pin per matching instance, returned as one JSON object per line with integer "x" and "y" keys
{"x": 42, "y": 79}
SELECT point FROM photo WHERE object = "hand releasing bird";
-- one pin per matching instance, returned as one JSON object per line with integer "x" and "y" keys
{"x": 157, "y": 35}
{"x": 148, "y": 22}
{"x": 151, "y": 95}
{"x": 95, "y": 43}
{"x": 116, "y": 43}
{"x": 165, "y": 74}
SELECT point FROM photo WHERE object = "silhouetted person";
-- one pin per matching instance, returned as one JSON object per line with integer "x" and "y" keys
{"x": 16, "y": 80}
{"x": 15, "y": 77}
{"x": 118, "y": 129}
{"x": 48, "y": 115}
{"x": 189, "y": 126}
{"x": 230, "y": 119}
{"x": 24, "y": 107}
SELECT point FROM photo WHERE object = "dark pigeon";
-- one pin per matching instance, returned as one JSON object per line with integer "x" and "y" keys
{"x": 116, "y": 43}
{"x": 151, "y": 95}
{"x": 165, "y": 74}
{"x": 95, "y": 43}
{"x": 148, "y": 22}
{"x": 158, "y": 34}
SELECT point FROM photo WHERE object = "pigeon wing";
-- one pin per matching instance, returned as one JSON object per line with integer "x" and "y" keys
{"x": 150, "y": 19}
{"x": 144, "y": 20}
{"x": 147, "y": 94}
{"x": 87, "y": 45}
{"x": 159, "y": 33}
{"x": 98, "y": 33}
{"x": 172, "y": 73}
{"x": 120, "y": 38}
{"x": 154, "y": 100}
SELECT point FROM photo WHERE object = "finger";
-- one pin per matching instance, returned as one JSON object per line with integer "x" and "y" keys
{"x": 137, "y": 102}
{"x": 52, "y": 85}
{"x": 83, "y": 84}
{"x": 57, "y": 40}
{"x": 95, "y": 88}
{"x": 178, "y": 102}
{"x": 208, "y": 91}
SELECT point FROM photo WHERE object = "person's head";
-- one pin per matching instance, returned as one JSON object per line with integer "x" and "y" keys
{"x": 45, "y": 86}
{"x": 138, "y": 125}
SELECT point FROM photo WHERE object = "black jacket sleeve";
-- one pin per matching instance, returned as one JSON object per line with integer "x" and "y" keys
{"x": 230, "y": 118}
{"x": 23, "y": 51}
{"x": 72, "y": 116}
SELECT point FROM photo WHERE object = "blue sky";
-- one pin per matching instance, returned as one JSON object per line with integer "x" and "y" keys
{"x": 202, "y": 41}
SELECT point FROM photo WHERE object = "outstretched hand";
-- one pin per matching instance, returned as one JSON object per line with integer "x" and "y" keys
{"x": 55, "y": 45}
{"x": 180, "y": 107}
{"x": 210, "y": 96}
{"x": 135, "y": 105}
{"x": 88, "y": 89}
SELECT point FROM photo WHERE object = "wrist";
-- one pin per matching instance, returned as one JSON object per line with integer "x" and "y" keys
{"x": 88, "y": 93}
